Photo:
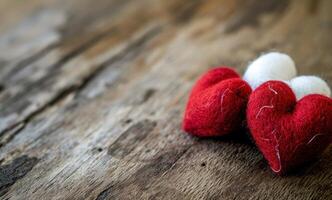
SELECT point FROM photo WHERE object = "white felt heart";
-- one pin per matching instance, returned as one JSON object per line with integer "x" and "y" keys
{"x": 278, "y": 66}
{"x": 270, "y": 66}
{"x": 304, "y": 85}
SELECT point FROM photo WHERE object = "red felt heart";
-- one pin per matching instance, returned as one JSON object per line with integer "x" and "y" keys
{"x": 289, "y": 133}
{"x": 217, "y": 103}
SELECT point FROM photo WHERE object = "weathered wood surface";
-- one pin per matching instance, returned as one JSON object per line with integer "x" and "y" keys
{"x": 92, "y": 95}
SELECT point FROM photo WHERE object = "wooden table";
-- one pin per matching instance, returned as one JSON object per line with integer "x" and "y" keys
{"x": 93, "y": 92}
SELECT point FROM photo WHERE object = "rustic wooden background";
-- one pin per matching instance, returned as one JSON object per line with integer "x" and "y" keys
{"x": 92, "y": 95}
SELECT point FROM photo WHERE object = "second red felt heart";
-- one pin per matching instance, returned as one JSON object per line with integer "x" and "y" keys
{"x": 217, "y": 103}
{"x": 289, "y": 132}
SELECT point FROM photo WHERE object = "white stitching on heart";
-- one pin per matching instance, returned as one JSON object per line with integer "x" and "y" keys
{"x": 275, "y": 92}
{"x": 261, "y": 109}
{"x": 271, "y": 106}
{"x": 222, "y": 98}
{"x": 276, "y": 148}
{"x": 319, "y": 134}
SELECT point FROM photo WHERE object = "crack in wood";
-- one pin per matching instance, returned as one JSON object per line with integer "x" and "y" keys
{"x": 14, "y": 171}
{"x": 148, "y": 93}
{"x": 29, "y": 60}
{"x": 5, "y": 137}
{"x": 2, "y": 87}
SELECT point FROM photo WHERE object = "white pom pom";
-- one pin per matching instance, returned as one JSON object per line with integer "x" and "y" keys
{"x": 271, "y": 66}
{"x": 305, "y": 85}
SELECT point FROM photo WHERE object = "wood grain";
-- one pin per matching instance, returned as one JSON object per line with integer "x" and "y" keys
{"x": 92, "y": 96}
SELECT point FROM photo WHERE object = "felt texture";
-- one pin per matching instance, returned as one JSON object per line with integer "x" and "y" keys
{"x": 217, "y": 104}
{"x": 289, "y": 133}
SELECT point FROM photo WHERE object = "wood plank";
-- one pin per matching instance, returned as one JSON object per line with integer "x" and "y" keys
{"x": 97, "y": 116}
